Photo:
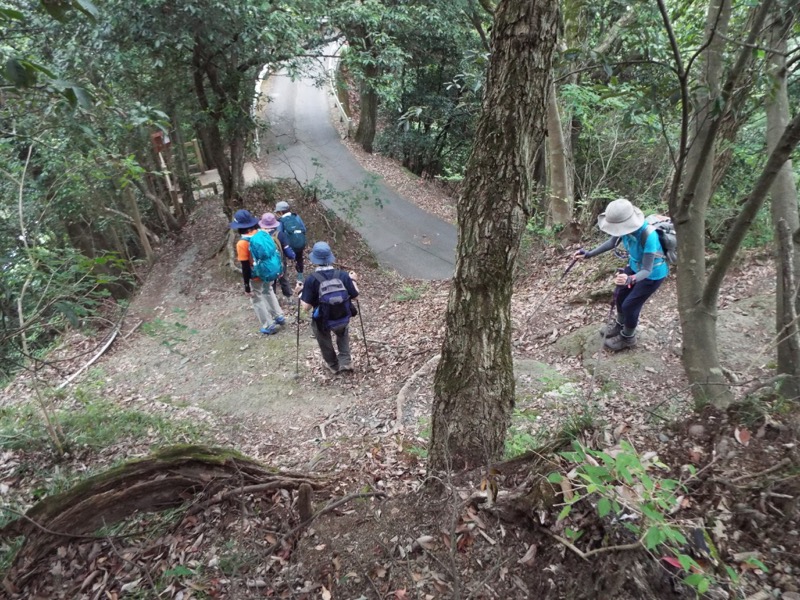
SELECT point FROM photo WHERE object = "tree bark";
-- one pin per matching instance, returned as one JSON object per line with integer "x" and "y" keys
{"x": 698, "y": 321}
{"x": 560, "y": 205}
{"x": 137, "y": 223}
{"x": 474, "y": 382}
{"x": 784, "y": 210}
{"x": 367, "y": 123}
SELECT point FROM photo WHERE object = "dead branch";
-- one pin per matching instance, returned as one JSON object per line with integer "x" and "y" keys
{"x": 401, "y": 396}
{"x": 585, "y": 555}
{"x": 100, "y": 353}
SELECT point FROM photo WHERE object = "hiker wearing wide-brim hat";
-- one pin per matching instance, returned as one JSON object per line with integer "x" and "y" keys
{"x": 271, "y": 225}
{"x": 646, "y": 270}
{"x": 295, "y": 229}
{"x": 328, "y": 293}
{"x": 265, "y": 304}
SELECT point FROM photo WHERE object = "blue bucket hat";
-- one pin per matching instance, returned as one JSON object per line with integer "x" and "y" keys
{"x": 243, "y": 219}
{"x": 321, "y": 254}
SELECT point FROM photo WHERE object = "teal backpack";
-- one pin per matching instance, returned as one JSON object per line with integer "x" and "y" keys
{"x": 295, "y": 231}
{"x": 267, "y": 264}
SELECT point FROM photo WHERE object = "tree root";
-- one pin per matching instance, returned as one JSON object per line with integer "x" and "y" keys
{"x": 166, "y": 479}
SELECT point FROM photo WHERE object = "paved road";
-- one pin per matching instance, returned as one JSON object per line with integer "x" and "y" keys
{"x": 304, "y": 144}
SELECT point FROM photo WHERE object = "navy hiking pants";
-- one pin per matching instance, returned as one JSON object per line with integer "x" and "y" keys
{"x": 630, "y": 300}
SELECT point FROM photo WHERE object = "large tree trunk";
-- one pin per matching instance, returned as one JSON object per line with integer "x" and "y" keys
{"x": 474, "y": 383}
{"x": 784, "y": 209}
{"x": 367, "y": 123}
{"x": 698, "y": 321}
{"x": 560, "y": 205}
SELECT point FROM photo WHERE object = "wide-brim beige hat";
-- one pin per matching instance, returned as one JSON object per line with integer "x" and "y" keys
{"x": 621, "y": 218}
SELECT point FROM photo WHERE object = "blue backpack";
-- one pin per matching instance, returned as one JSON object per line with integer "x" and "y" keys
{"x": 334, "y": 307}
{"x": 267, "y": 264}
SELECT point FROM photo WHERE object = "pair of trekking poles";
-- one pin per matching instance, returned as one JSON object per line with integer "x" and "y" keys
{"x": 363, "y": 335}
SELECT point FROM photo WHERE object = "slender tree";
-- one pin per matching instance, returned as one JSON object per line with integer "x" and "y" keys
{"x": 474, "y": 383}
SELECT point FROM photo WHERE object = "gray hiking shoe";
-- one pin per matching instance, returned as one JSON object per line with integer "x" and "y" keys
{"x": 612, "y": 329}
{"x": 620, "y": 342}
{"x": 330, "y": 369}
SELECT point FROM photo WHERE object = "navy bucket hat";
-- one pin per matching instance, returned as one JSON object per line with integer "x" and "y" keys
{"x": 321, "y": 254}
{"x": 243, "y": 219}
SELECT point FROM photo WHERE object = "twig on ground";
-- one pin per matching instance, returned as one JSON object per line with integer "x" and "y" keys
{"x": 585, "y": 555}
{"x": 328, "y": 508}
{"x": 401, "y": 396}
{"x": 100, "y": 353}
{"x": 783, "y": 463}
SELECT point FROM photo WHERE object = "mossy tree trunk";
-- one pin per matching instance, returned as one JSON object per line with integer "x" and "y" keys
{"x": 474, "y": 383}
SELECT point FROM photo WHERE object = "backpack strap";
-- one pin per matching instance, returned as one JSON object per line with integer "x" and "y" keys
{"x": 643, "y": 240}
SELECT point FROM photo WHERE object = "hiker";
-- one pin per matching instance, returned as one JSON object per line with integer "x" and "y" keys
{"x": 265, "y": 303}
{"x": 328, "y": 292}
{"x": 271, "y": 225}
{"x": 646, "y": 270}
{"x": 295, "y": 230}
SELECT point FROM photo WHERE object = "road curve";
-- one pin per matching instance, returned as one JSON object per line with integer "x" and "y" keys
{"x": 303, "y": 144}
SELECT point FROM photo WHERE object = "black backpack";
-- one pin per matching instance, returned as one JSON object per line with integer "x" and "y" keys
{"x": 665, "y": 229}
{"x": 334, "y": 307}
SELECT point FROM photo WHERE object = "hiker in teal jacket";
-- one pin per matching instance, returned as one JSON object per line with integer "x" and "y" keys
{"x": 646, "y": 270}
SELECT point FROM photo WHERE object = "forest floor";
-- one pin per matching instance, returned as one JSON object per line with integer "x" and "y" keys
{"x": 189, "y": 366}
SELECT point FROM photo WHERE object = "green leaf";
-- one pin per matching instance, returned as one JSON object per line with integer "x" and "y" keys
{"x": 757, "y": 563}
{"x": 564, "y": 512}
{"x": 87, "y": 8}
{"x": 654, "y": 537}
{"x": 694, "y": 579}
{"x": 603, "y": 507}
{"x": 19, "y": 73}
{"x": 57, "y": 9}
{"x": 732, "y": 574}
{"x": 555, "y": 478}
{"x": 703, "y": 586}
{"x": 9, "y": 14}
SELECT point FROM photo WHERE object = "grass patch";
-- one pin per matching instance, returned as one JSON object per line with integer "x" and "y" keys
{"x": 93, "y": 423}
{"x": 409, "y": 292}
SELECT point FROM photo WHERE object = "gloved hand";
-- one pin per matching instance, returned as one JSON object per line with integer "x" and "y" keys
{"x": 580, "y": 253}
{"x": 298, "y": 288}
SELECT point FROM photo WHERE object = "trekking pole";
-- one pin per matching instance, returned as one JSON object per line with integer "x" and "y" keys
{"x": 297, "y": 355}
{"x": 363, "y": 332}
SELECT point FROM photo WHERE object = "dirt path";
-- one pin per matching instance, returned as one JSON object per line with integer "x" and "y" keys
{"x": 199, "y": 345}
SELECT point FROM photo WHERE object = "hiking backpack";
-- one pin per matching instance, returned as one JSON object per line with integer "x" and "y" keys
{"x": 267, "y": 264}
{"x": 295, "y": 231}
{"x": 334, "y": 302}
{"x": 665, "y": 229}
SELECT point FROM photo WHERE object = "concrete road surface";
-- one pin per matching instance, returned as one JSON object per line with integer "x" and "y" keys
{"x": 304, "y": 144}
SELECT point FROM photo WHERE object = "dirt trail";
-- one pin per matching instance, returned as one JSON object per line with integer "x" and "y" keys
{"x": 199, "y": 343}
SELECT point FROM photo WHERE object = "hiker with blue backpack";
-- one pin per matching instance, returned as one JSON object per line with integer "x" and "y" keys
{"x": 271, "y": 225}
{"x": 328, "y": 293}
{"x": 261, "y": 265}
{"x": 646, "y": 270}
{"x": 295, "y": 229}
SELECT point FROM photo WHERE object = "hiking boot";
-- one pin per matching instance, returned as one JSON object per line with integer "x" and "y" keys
{"x": 620, "y": 342}
{"x": 280, "y": 320}
{"x": 332, "y": 370}
{"x": 345, "y": 368}
{"x": 612, "y": 329}
{"x": 271, "y": 330}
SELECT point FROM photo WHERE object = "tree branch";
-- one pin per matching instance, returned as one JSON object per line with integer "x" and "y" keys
{"x": 750, "y": 207}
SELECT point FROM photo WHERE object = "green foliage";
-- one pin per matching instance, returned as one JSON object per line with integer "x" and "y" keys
{"x": 169, "y": 333}
{"x": 631, "y": 487}
{"x": 409, "y": 293}
{"x": 93, "y": 423}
